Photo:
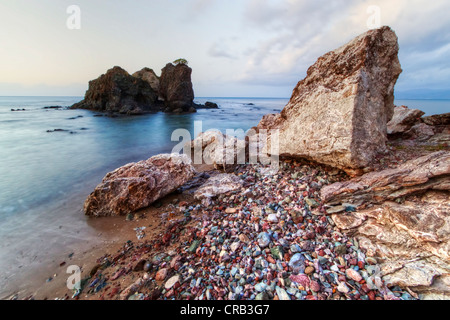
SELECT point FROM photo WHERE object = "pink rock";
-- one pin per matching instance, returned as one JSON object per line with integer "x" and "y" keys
{"x": 353, "y": 274}
{"x": 137, "y": 185}
{"x": 161, "y": 274}
{"x": 315, "y": 286}
{"x": 301, "y": 279}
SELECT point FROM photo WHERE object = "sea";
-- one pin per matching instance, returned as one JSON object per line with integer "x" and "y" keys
{"x": 52, "y": 158}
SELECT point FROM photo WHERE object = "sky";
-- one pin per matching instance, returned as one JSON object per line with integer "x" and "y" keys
{"x": 236, "y": 48}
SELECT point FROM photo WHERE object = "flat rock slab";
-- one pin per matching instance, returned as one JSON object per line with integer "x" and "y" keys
{"x": 137, "y": 185}
{"x": 217, "y": 185}
{"x": 428, "y": 172}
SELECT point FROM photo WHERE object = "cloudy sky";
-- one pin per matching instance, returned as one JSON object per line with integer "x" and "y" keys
{"x": 237, "y": 48}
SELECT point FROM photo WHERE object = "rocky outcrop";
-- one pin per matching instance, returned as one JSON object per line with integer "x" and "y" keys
{"x": 403, "y": 119}
{"x": 401, "y": 217}
{"x": 176, "y": 88}
{"x": 119, "y": 92}
{"x": 437, "y": 120}
{"x": 410, "y": 241}
{"x": 137, "y": 185}
{"x": 425, "y": 173}
{"x": 338, "y": 114}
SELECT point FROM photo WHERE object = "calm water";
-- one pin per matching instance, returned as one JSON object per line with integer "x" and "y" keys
{"x": 46, "y": 176}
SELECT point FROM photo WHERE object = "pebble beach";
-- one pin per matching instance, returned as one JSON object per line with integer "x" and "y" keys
{"x": 270, "y": 240}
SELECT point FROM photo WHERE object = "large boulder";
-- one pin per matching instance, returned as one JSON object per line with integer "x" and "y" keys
{"x": 338, "y": 114}
{"x": 119, "y": 92}
{"x": 137, "y": 185}
{"x": 176, "y": 88}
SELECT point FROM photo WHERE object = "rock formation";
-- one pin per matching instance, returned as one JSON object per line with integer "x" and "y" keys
{"x": 119, "y": 92}
{"x": 425, "y": 173}
{"x": 338, "y": 114}
{"x": 137, "y": 185}
{"x": 403, "y": 119}
{"x": 401, "y": 217}
{"x": 150, "y": 76}
{"x": 176, "y": 88}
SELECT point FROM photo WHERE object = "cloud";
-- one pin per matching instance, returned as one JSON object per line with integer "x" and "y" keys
{"x": 219, "y": 50}
{"x": 297, "y": 32}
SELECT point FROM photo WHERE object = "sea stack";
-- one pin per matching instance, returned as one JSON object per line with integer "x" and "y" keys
{"x": 176, "y": 88}
{"x": 338, "y": 114}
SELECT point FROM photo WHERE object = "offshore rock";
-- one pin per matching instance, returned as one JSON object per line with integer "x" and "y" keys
{"x": 119, "y": 92}
{"x": 338, "y": 114}
{"x": 137, "y": 185}
{"x": 176, "y": 88}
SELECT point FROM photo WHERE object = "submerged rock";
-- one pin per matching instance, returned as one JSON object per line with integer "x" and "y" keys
{"x": 137, "y": 185}
{"x": 338, "y": 114}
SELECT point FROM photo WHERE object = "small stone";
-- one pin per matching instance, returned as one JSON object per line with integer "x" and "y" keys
{"x": 230, "y": 210}
{"x": 301, "y": 279}
{"x": 312, "y": 203}
{"x": 353, "y": 274}
{"x": 277, "y": 252}
{"x": 272, "y": 218}
{"x": 263, "y": 239}
{"x": 260, "y": 287}
{"x": 161, "y": 274}
{"x": 194, "y": 246}
{"x": 244, "y": 238}
{"x": 282, "y": 294}
{"x": 342, "y": 287}
{"x": 309, "y": 270}
{"x": 262, "y": 296}
{"x": 315, "y": 286}
{"x": 297, "y": 262}
{"x": 171, "y": 282}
